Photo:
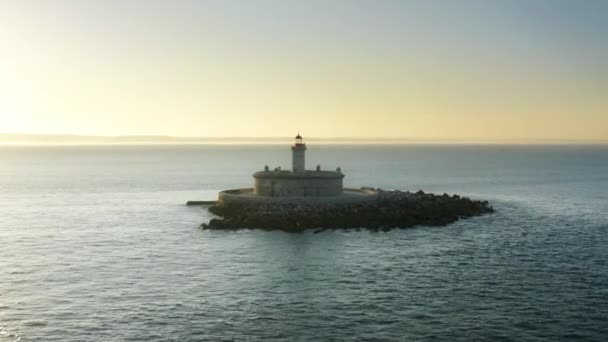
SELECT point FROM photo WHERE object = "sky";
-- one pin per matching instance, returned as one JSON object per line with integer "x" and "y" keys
{"x": 468, "y": 69}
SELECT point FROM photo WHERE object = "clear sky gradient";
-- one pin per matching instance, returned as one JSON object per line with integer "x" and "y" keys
{"x": 489, "y": 70}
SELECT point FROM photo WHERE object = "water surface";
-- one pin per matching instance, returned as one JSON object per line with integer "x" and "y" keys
{"x": 97, "y": 244}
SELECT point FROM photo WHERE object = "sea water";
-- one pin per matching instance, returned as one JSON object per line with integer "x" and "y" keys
{"x": 96, "y": 244}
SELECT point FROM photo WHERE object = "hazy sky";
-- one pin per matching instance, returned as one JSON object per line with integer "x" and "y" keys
{"x": 529, "y": 69}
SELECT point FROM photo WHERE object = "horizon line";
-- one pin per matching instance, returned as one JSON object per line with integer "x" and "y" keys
{"x": 83, "y": 139}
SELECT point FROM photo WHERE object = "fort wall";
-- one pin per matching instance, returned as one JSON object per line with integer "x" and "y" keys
{"x": 288, "y": 184}
{"x": 247, "y": 197}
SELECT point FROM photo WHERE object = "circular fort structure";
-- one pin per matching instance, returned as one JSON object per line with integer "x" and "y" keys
{"x": 298, "y": 186}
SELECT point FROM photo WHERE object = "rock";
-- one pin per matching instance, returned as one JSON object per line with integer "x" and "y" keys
{"x": 393, "y": 209}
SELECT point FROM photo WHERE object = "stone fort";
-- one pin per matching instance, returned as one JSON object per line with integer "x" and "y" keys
{"x": 296, "y": 186}
{"x": 299, "y": 181}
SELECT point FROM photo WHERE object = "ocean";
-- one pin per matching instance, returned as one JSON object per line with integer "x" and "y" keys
{"x": 97, "y": 244}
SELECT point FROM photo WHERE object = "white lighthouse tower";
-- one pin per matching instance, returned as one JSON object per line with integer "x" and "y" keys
{"x": 298, "y": 156}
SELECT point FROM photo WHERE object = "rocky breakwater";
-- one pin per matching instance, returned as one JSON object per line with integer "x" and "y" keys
{"x": 392, "y": 209}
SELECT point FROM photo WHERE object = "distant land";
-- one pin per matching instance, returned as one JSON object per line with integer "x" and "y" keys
{"x": 73, "y": 139}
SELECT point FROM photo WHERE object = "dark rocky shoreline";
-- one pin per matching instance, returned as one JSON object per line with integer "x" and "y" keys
{"x": 392, "y": 209}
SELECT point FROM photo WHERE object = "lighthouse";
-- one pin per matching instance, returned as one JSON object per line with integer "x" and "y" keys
{"x": 298, "y": 156}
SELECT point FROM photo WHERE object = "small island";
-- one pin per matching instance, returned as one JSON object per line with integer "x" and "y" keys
{"x": 314, "y": 199}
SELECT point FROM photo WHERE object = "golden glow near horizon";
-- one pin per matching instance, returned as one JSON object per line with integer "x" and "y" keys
{"x": 420, "y": 70}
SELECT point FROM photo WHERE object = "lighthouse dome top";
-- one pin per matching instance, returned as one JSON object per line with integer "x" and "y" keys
{"x": 298, "y": 138}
